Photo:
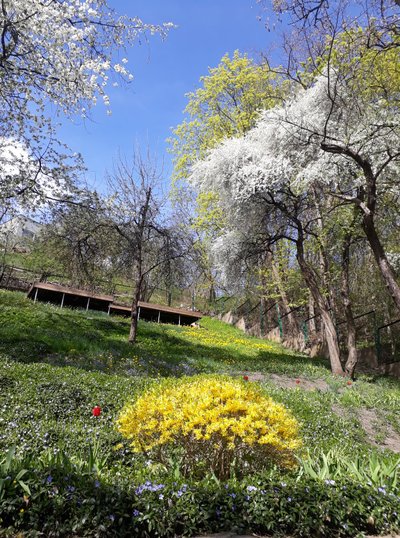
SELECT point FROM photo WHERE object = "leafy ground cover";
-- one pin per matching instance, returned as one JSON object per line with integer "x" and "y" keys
{"x": 71, "y": 473}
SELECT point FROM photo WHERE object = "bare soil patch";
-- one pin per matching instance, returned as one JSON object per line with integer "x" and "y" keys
{"x": 380, "y": 433}
{"x": 376, "y": 429}
{"x": 287, "y": 382}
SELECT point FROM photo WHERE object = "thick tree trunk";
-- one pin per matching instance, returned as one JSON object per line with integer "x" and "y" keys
{"x": 352, "y": 358}
{"x": 386, "y": 270}
{"x": 330, "y": 334}
{"x": 320, "y": 301}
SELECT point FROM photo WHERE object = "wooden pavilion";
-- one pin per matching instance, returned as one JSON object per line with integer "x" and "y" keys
{"x": 76, "y": 298}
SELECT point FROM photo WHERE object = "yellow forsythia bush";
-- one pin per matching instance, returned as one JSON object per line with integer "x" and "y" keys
{"x": 218, "y": 423}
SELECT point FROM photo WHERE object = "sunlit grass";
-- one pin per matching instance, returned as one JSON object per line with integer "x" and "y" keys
{"x": 55, "y": 364}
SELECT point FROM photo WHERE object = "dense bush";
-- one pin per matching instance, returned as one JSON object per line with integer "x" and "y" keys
{"x": 222, "y": 424}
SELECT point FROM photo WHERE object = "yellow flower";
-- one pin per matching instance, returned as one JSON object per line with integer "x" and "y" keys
{"x": 218, "y": 419}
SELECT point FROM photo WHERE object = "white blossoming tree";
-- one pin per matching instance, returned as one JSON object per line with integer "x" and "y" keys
{"x": 253, "y": 178}
{"x": 351, "y": 153}
{"x": 56, "y": 57}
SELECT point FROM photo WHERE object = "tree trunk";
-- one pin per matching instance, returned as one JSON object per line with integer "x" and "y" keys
{"x": 386, "y": 270}
{"x": 331, "y": 336}
{"x": 263, "y": 300}
{"x": 292, "y": 322}
{"x": 312, "y": 284}
{"x": 312, "y": 326}
{"x": 135, "y": 301}
{"x": 323, "y": 258}
{"x": 211, "y": 295}
{"x": 352, "y": 358}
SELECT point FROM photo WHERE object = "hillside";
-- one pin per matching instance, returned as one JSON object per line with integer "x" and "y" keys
{"x": 56, "y": 365}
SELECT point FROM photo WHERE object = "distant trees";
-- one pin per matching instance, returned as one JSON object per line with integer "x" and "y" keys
{"x": 129, "y": 234}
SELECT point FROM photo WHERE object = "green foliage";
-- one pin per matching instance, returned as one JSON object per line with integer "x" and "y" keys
{"x": 281, "y": 275}
{"x": 64, "y": 502}
{"x": 335, "y": 465}
{"x": 10, "y": 480}
{"x": 209, "y": 216}
{"x": 227, "y": 104}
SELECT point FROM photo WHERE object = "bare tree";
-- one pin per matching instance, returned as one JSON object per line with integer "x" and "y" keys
{"x": 136, "y": 211}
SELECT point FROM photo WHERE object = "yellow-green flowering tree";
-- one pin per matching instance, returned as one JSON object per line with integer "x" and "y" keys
{"x": 218, "y": 424}
{"x": 227, "y": 104}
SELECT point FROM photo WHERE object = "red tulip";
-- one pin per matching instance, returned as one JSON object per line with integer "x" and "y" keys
{"x": 246, "y": 377}
{"x": 349, "y": 383}
{"x": 297, "y": 381}
{"x": 96, "y": 411}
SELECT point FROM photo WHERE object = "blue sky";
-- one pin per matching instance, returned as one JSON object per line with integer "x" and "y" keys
{"x": 164, "y": 71}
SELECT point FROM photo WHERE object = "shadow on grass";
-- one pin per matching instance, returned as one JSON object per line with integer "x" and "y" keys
{"x": 92, "y": 341}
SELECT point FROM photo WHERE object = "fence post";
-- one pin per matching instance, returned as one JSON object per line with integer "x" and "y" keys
{"x": 193, "y": 298}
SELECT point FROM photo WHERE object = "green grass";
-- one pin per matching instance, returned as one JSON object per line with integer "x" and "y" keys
{"x": 57, "y": 364}
{"x": 94, "y": 341}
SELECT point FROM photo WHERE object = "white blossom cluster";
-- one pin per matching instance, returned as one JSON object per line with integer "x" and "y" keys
{"x": 62, "y": 52}
{"x": 288, "y": 149}
{"x": 56, "y": 57}
{"x": 33, "y": 181}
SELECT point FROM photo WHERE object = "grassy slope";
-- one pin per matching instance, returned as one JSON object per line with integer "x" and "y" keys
{"x": 56, "y": 364}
